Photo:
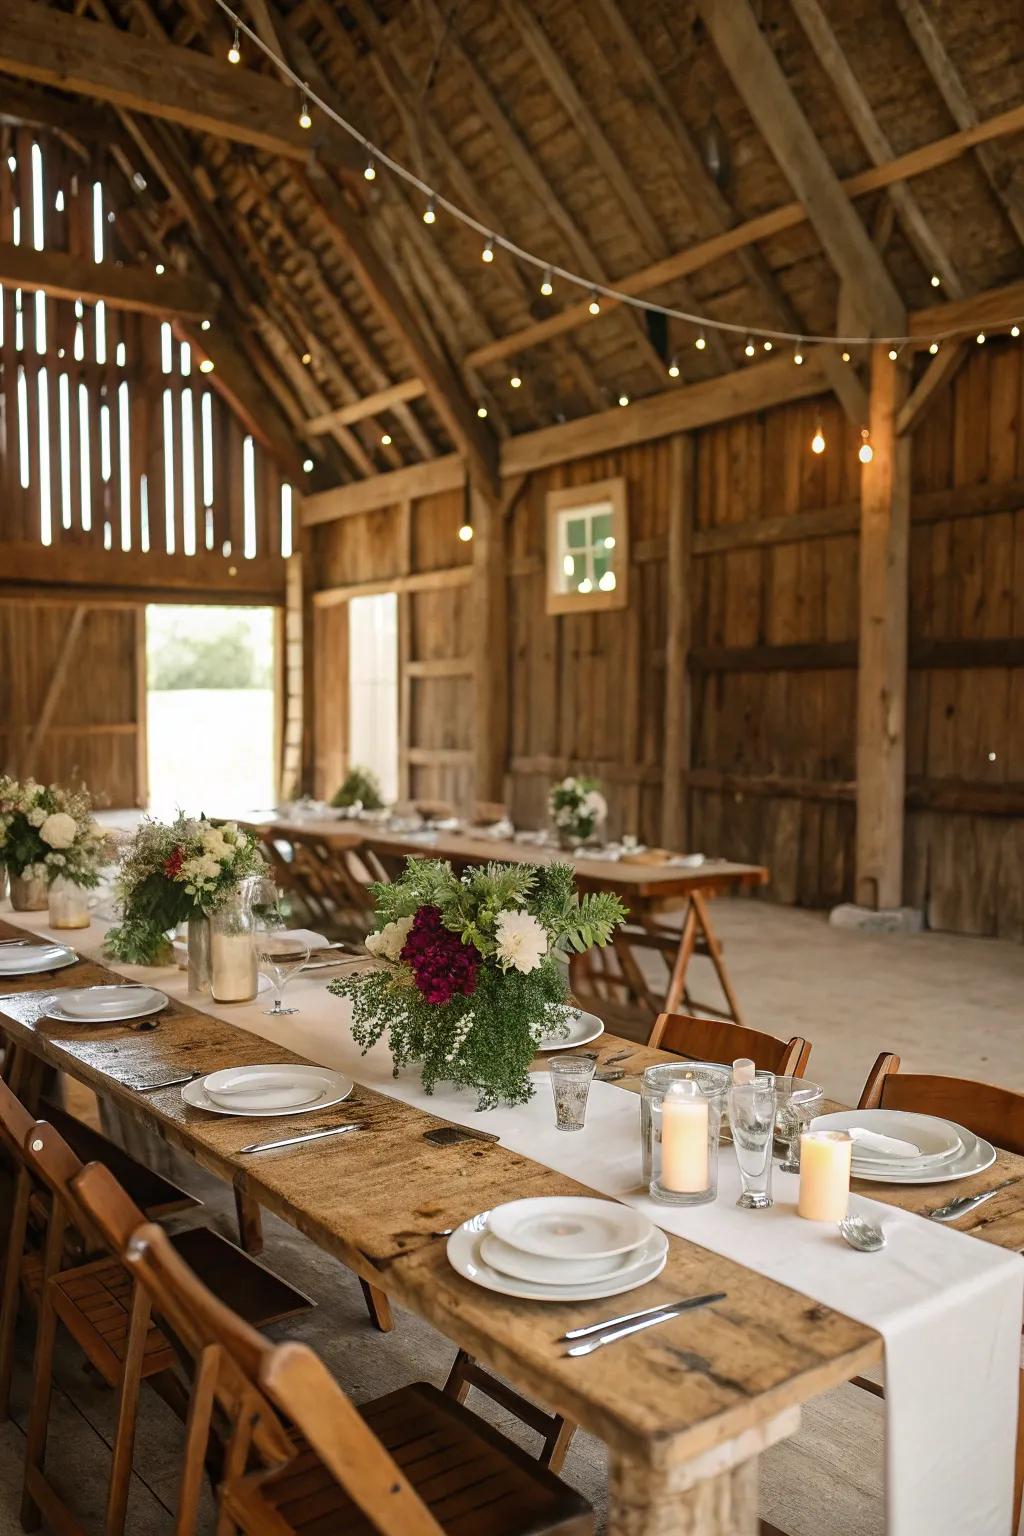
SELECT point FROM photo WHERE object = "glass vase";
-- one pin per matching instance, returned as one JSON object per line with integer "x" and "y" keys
{"x": 234, "y": 973}
{"x": 198, "y": 944}
{"x": 681, "y": 1109}
{"x": 28, "y": 895}
{"x": 70, "y": 904}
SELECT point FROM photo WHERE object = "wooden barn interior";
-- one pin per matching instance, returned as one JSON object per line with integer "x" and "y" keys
{"x": 343, "y": 324}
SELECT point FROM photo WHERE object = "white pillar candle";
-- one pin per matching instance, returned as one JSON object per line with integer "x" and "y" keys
{"x": 824, "y": 1175}
{"x": 684, "y": 1139}
{"x": 233, "y": 967}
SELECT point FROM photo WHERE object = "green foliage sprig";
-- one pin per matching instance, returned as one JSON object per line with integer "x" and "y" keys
{"x": 360, "y": 786}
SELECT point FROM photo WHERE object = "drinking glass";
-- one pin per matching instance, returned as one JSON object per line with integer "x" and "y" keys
{"x": 571, "y": 1076}
{"x": 281, "y": 956}
{"x": 796, "y": 1103}
{"x": 752, "y": 1121}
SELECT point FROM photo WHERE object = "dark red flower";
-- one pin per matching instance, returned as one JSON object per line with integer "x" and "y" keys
{"x": 442, "y": 966}
{"x": 173, "y": 863}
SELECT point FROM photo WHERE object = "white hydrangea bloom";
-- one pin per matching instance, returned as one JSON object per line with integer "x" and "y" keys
{"x": 390, "y": 941}
{"x": 521, "y": 939}
{"x": 58, "y": 830}
{"x": 36, "y": 816}
{"x": 595, "y": 804}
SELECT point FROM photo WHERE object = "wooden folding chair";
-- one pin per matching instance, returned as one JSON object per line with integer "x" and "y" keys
{"x": 995, "y": 1113}
{"x": 719, "y": 1040}
{"x": 405, "y": 1465}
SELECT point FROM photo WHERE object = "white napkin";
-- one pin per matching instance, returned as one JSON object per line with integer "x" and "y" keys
{"x": 872, "y": 1144}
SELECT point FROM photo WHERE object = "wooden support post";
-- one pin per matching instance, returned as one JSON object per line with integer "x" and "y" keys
{"x": 490, "y": 653}
{"x": 882, "y": 672}
{"x": 675, "y": 829}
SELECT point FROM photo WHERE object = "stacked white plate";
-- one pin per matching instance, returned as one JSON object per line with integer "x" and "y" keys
{"x": 104, "y": 1005}
{"x": 268, "y": 1091}
{"x": 894, "y": 1146}
{"x": 32, "y": 959}
{"x": 582, "y": 1028}
{"x": 559, "y": 1248}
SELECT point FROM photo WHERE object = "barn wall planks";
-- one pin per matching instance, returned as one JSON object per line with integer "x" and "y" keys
{"x": 95, "y": 734}
{"x": 772, "y": 771}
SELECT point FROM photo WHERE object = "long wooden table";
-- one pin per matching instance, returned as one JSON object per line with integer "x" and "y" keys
{"x": 648, "y": 891}
{"x": 685, "y": 1409}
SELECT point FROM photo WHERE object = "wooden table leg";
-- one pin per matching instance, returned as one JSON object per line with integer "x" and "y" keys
{"x": 699, "y": 905}
{"x": 378, "y": 1306}
{"x": 676, "y": 990}
{"x": 250, "y": 1222}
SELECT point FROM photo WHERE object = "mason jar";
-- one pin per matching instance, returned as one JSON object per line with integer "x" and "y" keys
{"x": 70, "y": 904}
{"x": 234, "y": 977}
{"x": 681, "y": 1107}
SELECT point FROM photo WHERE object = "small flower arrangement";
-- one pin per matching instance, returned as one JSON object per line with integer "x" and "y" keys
{"x": 172, "y": 872}
{"x": 468, "y": 968}
{"x": 360, "y": 789}
{"x": 577, "y": 809}
{"x": 47, "y": 832}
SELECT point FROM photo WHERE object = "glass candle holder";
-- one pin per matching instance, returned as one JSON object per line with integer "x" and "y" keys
{"x": 680, "y": 1117}
{"x": 752, "y": 1122}
{"x": 233, "y": 974}
{"x": 796, "y": 1103}
{"x": 571, "y": 1076}
{"x": 824, "y": 1175}
{"x": 70, "y": 904}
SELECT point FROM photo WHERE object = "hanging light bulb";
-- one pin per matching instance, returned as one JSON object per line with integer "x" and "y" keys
{"x": 935, "y": 280}
{"x": 865, "y": 452}
{"x": 516, "y": 378}
{"x": 481, "y": 411}
{"x": 206, "y": 366}
{"x": 893, "y": 354}
{"x": 547, "y": 287}
{"x": 594, "y": 306}
{"x": 204, "y": 325}
{"x": 933, "y": 348}
{"x": 673, "y": 368}
{"x": 623, "y": 399}
{"x": 749, "y": 349}
{"x": 701, "y": 341}
{"x": 818, "y": 440}
{"x": 307, "y": 465}
{"x": 845, "y": 356}
{"x": 487, "y": 254}
{"x": 466, "y": 532}
{"x": 385, "y": 439}
{"x": 798, "y": 353}
{"x": 235, "y": 51}
{"x": 305, "y": 121}
{"x": 767, "y": 346}
{"x": 159, "y": 269}
{"x": 430, "y": 211}
{"x": 1015, "y": 330}
{"x": 307, "y": 358}
{"x": 370, "y": 169}
{"x": 980, "y": 338}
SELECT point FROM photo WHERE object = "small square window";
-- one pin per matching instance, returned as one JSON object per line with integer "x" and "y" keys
{"x": 588, "y": 547}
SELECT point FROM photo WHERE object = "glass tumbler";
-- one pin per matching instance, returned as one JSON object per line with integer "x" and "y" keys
{"x": 681, "y": 1107}
{"x": 752, "y": 1122}
{"x": 571, "y": 1076}
{"x": 796, "y": 1103}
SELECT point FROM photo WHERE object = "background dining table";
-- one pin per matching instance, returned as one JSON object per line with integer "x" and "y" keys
{"x": 685, "y": 1415}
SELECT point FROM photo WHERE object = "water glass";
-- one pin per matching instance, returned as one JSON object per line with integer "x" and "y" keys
{"x": 752, "y": 1122}
{"x": 571, "y": 1076}
{"x": 796, "y": 1103}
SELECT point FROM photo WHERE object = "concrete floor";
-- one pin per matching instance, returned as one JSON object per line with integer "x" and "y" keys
{"x": 944, "y": 1003}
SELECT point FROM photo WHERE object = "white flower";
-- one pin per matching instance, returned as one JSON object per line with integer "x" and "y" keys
{"x": 215, "y": 844}
{"x": 521, "y": 939}
{"x": 36, "y": 816}
{"x": 59, "y": 830}
{"x": 390, "y": 941}
{"x": 595, "y": 804}
{"x": 201, "y": 869}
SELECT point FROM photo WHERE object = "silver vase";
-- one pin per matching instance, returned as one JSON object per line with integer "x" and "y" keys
{"x": 199, "y": 973}
{"x": 28, "y": 895}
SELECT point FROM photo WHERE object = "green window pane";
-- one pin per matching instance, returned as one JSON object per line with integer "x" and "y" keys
{"x": 576, "y": 533}
{"x": 601, "y": 527}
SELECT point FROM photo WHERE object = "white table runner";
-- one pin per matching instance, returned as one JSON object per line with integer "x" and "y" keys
{"x": 948, "y": 1307}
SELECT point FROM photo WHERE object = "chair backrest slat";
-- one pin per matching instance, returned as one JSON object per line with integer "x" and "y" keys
{"x": 995, "y": 1113}
{"x": 720, "y": 1040}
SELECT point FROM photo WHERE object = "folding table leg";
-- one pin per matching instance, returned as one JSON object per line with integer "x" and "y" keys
{"x": 676, "y": 990}
{"x": 700, "y": 907}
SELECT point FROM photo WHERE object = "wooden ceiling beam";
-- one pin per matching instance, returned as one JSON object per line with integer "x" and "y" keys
{"x": 21, "y": 106}
{"x": 370, "y": 405}
{"x": 930, "y": 251}
{"x": 131, "y": 288}
{"x": 768, "y": 97}
{"x": 916, "y": 162}
{"x": 989, "y": 310}
{"x": 443, "y": 474}
{"x": 939, "y": 372}
{"x": 384, "y": 292}
{"x": 953, "y": 92}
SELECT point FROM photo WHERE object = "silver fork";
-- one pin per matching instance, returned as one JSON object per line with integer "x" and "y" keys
{"x": 964, "y": 1203}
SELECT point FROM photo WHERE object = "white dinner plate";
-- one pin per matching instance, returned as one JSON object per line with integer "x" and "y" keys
{"x": 570, "y": 1226}
{"x": 583, "y": 1027}
{"x": 142, "y": 1007}
{"x": 110, "y": 1002}
{"x": 934, "y": 1137}
{"x": 34, "y": 959}
{"x": 466, "y": 1259}
{"x": 528, "y": 1266}
{"x": 318, "y": 1088}
{"x": 977, "y": 1155}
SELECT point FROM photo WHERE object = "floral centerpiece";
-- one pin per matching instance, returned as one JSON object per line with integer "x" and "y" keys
{"x": 577, "y": 809}
{"x": 468, "y": 975}
{"x": 360, "y": 789}
{"x": 171, "y": 873}
{"x": 48, "y": 832}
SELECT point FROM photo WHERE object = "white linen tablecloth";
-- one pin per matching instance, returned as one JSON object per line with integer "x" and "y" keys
{"x": 948, "y": 1307}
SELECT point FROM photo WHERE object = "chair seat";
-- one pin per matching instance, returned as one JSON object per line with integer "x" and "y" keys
{"x": 473, "y": 1480}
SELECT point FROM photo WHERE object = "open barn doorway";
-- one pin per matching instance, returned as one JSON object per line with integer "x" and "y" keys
{"x": 210, "y": 709}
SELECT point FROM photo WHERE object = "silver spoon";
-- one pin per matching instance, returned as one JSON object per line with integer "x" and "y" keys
{"x": 866, "y": 1236}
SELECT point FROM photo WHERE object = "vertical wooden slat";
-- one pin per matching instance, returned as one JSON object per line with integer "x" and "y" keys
{"x": 676, "y": 748}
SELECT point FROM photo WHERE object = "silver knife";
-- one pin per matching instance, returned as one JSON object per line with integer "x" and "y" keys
{"x": 631, "y": 1317}
{"x": 167, "y": 1082}
{"x": 964, "y": 1203}
{"x": 656, "y": 1315}
{"x": 293, "y": 1141}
